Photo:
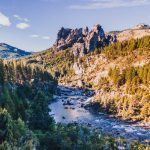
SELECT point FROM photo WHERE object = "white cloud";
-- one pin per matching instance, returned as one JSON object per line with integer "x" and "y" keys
{"x": 34, "y": 35}
{"x": 26, "y": 20}
{"x": 45, "y": 37}
{"x": 4, "y": 20}
{"x": 20, "y": 18}
{"x": 22, "y": 25}
{"x": 98, "y": 4}
{"x": 39, "y": 36}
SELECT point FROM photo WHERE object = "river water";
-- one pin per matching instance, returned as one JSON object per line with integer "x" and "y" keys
{"x": 68, "y": 107}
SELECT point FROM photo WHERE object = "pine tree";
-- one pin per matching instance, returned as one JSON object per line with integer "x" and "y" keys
{"x": 1, "y": 72}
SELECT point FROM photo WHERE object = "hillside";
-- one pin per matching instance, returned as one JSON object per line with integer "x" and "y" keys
{"x": 8, "y": 52}
{"x": 135, "y": 32}
{"x": 119, "y": 73}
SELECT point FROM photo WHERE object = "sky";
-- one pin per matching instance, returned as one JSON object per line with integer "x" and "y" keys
{"x": 33, "y": 25}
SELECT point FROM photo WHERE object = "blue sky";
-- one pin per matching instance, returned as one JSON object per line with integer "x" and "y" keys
{"x": 33, "y": 24}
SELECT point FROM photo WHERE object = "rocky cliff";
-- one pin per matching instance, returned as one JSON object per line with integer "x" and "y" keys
{"x": 83, "y": 41}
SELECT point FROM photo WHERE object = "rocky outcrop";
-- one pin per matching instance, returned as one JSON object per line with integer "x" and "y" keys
{"x": 67, "y": 37}
{"x": 77, "y": 69}
{"x": 141, "y": 26}
{"x": 135, "y": 32}
{"x": 82, "y": 41}
{"x": 79, "y": 48}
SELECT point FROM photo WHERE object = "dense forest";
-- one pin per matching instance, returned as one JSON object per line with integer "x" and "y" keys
{"x": 125, "y": 48}
{"x": 128, "y": 83}
{"x": 134, "y": 102}
{"x": 25, "y": 94}
{"x": 25, "y": 123}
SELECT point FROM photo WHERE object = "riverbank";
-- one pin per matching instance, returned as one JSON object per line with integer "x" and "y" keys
{"x": 68, "y": 108}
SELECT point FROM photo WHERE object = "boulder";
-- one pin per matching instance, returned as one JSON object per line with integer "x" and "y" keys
{"x": 77, "y": 69}
{"x": 79, "y": 49}
{"x": 80, "y": 83}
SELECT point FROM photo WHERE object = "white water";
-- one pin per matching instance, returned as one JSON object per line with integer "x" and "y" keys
{"x": 73, "y": 112}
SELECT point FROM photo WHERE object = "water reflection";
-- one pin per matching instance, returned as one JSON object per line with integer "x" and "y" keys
{"x": 66, "y": 114}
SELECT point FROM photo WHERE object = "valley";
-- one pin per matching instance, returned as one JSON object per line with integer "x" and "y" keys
{"x": 68, "y": 107}
{"x": 88, "y": 91}
{"x": 74, "y": 75}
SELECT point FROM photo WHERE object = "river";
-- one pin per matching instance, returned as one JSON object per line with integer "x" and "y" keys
{"x": 68, "y": 107}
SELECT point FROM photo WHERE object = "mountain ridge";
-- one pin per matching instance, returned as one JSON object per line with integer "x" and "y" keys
{"x": 137, "y": 31}
{"x": 83, "y": 41}
{"x": 7, "y": 51}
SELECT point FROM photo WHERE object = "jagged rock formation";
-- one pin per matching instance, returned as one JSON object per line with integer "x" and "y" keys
{"x": 7, "y": 52}
{"x": 67, "y": 37}
{"x": 82, "y": 41}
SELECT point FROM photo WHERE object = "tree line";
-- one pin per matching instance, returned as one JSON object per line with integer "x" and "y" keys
{"x": 25, "y": 123}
